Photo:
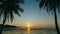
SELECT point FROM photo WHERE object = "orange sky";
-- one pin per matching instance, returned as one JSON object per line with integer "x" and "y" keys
{"x": 33, "y": 25}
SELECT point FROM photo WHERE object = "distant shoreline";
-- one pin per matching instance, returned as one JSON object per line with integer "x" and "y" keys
{"x": 9, "y": 29}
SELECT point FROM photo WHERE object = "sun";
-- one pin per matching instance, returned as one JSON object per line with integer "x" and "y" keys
{"x": 28, "y": 24}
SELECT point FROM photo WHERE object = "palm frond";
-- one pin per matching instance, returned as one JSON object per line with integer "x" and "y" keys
{"x": 41, "y": 4}
{"x": 16, "y": 12}
{"x": 49, "y": 4}
{"x": 11, "y": 17}
{"x": 7, "y": 7}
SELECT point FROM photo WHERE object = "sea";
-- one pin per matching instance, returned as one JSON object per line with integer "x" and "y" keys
{"x": 30, "y": 32}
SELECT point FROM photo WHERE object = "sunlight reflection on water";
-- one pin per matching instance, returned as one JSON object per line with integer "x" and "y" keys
{"x": 30, "y": 32}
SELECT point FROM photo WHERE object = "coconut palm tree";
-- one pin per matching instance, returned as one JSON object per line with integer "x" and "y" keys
{"x": 52, "y": 6}
{"x": 8, "y": 8}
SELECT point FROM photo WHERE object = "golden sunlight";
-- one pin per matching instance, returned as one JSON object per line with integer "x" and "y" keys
{"x": 28, "y": 25}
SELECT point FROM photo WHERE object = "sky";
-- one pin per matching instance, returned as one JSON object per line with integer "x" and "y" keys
{"x": 34, "y": 16}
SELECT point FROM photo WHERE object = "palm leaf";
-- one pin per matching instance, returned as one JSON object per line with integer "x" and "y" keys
{"x": 49, "y": 5}
{"x": 7, "y": 7}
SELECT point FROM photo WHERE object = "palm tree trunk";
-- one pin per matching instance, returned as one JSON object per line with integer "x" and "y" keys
{"x": 56, "y": 23}
{"x": 2, "y": 26}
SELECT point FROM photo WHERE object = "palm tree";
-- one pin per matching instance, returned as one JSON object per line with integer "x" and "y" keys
{"x": 8, "y": 8}
{"x": 52, "y": 6}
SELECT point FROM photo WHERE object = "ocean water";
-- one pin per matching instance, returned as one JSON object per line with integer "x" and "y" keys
{"x": 30, "y": 32}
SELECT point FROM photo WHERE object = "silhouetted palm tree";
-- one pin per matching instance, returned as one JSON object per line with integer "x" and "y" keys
{"x": 8, "y": 8}
{"x": 52, "y": 6}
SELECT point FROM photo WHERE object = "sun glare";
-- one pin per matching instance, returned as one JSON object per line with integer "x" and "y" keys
{"x": 28, "y": 25}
